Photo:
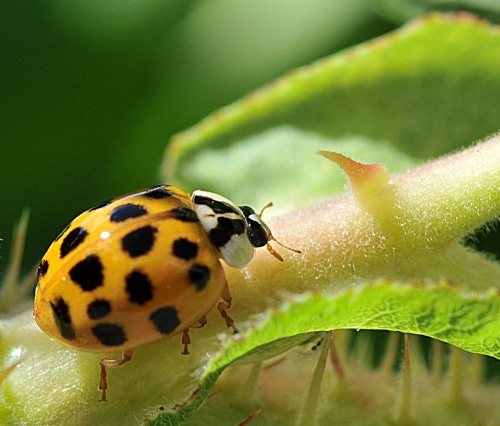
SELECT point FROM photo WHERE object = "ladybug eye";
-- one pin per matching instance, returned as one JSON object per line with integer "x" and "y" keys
{"x": 258, "y": 232}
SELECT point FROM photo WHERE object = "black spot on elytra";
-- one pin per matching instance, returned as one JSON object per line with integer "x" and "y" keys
{"x": 199, "y": 275}
{"x": 98, "y": 309}
{"x": 139, "y": 242}
{"x": 73, "y": 240}
{"x": 88, "y": 273}
{"x": 43, "y": 268}
{"x": 158, "y": 192}
{"x": 138, "y": 287}
{"x": 62, "y": 318}
{"x": 109, "y": 334}
{"x": 225, "y": 229}
{"x": 218, "y": 207}
{"x": 165, "y": 319}
{"x": 127, "y": 211}
{"x": 184, "y": 249}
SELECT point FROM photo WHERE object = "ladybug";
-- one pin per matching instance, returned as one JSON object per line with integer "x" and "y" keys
{"x": 143, "y": 267}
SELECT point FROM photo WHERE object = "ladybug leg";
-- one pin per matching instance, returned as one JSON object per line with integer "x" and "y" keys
{"x": 224, "y": 305}
{"x": 111, "y": 363}
{"x": 186, "y": 340}
{"x": 200, "y": 323}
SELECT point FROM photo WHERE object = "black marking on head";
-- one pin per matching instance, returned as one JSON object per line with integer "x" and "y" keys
{"x": 165, "y": 319}
{"x": 139, "y": 242}
{"x": 184, "y": 249}
{"x": 138, "y": 287}
{"x": 247, "y": 211}
{"x": 62, "y": 318}
{"x": 88, "y": 273}
{"x": 43, "y": 268}
{"x": 257, "y": 231}
{"x": 158, "y": 192}
{"x": 73, "y": 240}
{"x": 98, "y": 309}
{"x": 184, "y": 215}
{"x": 199, "y": 275}
{"x": 100, "y": 206}
{"x": 63, "y": 231}
{"x": 127, "y": 211}
{"x": 218, "y": 207}
{"x": 225, "y": 229}
{"x": 109, "y": 334}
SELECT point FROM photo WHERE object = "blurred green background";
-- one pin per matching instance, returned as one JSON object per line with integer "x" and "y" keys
{"x": 92, "y": 91}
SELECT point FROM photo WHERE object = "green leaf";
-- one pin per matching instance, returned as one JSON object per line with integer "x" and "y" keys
{"x": 439, "y": 310}
{"x": 425, "y": 90}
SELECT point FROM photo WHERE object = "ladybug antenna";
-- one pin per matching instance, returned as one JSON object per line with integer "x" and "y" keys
{"x": 270, "y": 204}
{"x": 271, "y": 238}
